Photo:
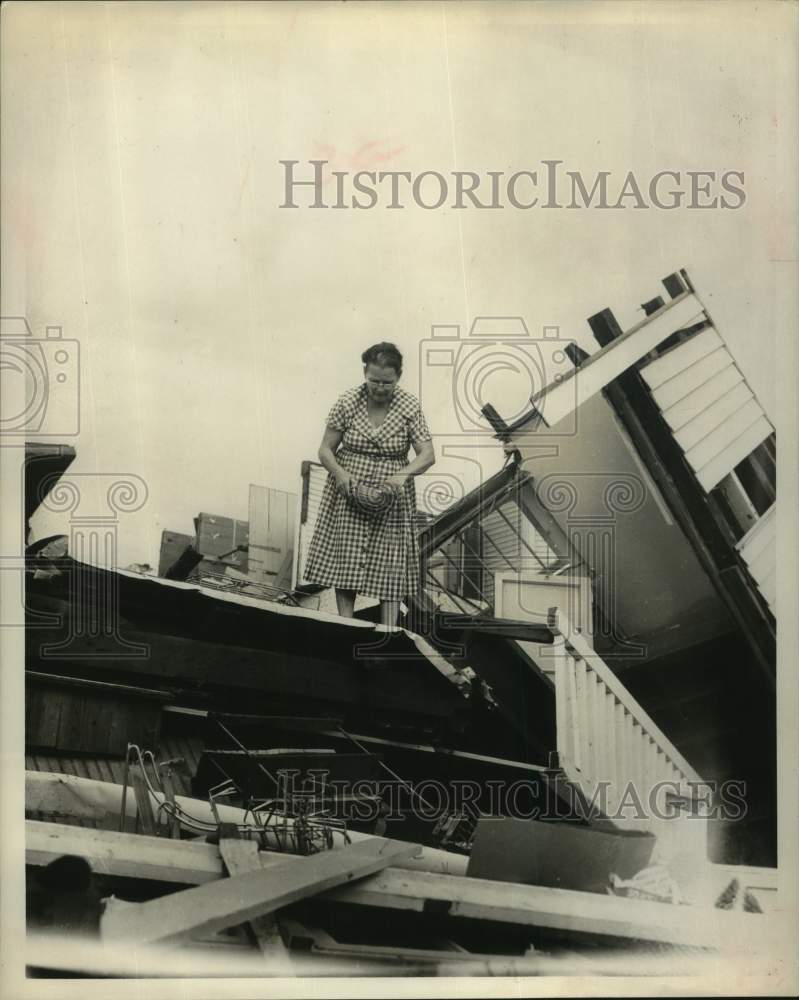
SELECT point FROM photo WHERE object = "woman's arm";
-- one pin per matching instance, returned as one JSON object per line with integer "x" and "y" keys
{"x": 327, "y": 456}
{"x": 425, "y": 457}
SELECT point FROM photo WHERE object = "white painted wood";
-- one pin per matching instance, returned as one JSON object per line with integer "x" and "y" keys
{"x": 758, "y": 549}
{"x": 703, "y": 371}
{"x": 611, "y": 757}
{"x": 242, "y": 857}
{"x": 558, "y": 400}
{"x": 724, "y": 435}
{"x": 272, "y": 516}
{"x": 768, "y": 588}
{"x": 563, "y": 909}
{"x": 714, "y": 416}
{"x": 129, "y": 854}
{"x": 205, "y": 909}
{"x": 528, "y": 596}
{"x": 597, "y": 664}
{"x": 689, "y": 407}
{"x": 715, "y": 470}
{"x": 601, "y": 769}
{"x": 564, "y": 730}
{"x": 761, "y": 535}
{"x": 581, "y": 714}
{"x": 679, "y": 358}
{"x": 763, "y": 564}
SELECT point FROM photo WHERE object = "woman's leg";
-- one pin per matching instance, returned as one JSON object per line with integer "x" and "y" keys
{"x": 345, "y": 602}
{"x": 389, "y": 610}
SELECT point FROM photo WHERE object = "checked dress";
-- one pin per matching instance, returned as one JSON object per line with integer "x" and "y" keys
{"x": 376, "y": 555}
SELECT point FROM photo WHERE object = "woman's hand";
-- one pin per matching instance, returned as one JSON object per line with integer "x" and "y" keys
{"x": 343, "y": 481}
{"x": 397, "y": 481}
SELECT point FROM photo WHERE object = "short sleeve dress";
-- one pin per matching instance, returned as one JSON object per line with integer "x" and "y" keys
{"x": 376, "y": 555}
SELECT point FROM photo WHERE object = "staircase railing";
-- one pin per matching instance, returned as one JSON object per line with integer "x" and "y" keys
{"x": 607, "y": 744}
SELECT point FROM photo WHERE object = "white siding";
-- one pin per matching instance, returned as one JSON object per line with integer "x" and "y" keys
{"x": 758, "y": 550}
{"x": 716, "y": 419}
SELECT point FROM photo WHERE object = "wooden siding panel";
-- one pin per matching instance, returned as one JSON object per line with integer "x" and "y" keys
{"x": 271, "y": 540}
{"x": 712, "y": 473}
{"x": 685, "y": 410}
{"x": 680, "y": 358}
{"x": 714, "y": 416}
{"x": 724, "y": 435}
{"x": 677, "y": 388}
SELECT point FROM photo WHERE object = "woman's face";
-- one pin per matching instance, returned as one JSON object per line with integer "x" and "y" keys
{"x": 380, "y": 382}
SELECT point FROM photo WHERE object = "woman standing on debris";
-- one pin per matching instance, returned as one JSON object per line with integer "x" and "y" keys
{"x": 365, "y": 537}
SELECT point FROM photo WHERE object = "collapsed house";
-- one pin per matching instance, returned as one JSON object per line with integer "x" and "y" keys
{"x": 543, "y": 763}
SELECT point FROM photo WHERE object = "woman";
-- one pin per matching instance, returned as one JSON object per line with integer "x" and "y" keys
{"x": 356, "y": 547}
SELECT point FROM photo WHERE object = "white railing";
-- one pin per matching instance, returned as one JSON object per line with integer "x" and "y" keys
{"x": 607, "y": 744}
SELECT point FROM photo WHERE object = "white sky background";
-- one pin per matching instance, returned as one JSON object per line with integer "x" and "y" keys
{"x": 142, "y": 185}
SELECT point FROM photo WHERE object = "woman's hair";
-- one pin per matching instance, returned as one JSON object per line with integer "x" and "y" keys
{"x": 384, "y": 354}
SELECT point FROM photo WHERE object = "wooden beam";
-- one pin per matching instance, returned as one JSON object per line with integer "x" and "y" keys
{"x": 242, "y": 857}
{"x": 191, "y": 862}
{"x": 206, "y": 909}
{"x": 539, "y": 906}
{"x": 129, "y": 855}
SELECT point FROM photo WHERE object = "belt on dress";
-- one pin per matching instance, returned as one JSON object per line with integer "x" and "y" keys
{"x": 377, "y": 455}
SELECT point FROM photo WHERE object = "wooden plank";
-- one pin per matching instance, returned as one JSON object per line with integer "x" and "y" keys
{"x": 603, "y": 769}
{"x": 714, "y": 416}
{"x": 679, "y": 358}
{"x": 724, "y": 435}
{"x": 50, "y": 719}
{"x": 716, "y": 469}
{"x": 760, "y": 535}
{"x": 564, "y": 730}
{"x": 272, "y": 530}
{"x": 213, "y": 907}
{"x": 100, "y": 687}
{"x": 610, "y": 739}
{"x": 689, "y": 407}
{"x": 764, "y": 563}
{"x": 768, "y": 587}
{"x": 697, "y": 375}
{"x": 538, "y": 906}
{"x": 242, "y": 857}
{"x": 124, "y": 854}
{"x": 615, "y": 685}
{"x": 579, "y": 713}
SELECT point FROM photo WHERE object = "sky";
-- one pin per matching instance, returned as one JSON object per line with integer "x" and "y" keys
{"x": 214, "y": 329}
